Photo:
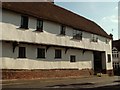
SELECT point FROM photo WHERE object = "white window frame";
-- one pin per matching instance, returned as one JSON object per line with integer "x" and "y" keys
{"x": 77, "y": 34}
{"x": 94, "y": 38}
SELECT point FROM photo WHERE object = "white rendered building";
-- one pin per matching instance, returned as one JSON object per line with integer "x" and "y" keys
{"x": 44, "y": 36}
{"x": 116, "y": 56}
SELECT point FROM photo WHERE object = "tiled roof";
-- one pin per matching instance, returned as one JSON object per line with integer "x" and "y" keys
{"x": 116, "y": 44}
{"x": 52, "y": 12}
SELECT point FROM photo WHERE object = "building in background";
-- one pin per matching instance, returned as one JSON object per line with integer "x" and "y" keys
{"x": 50, "y": 41}
{"x": 116, "y": 56}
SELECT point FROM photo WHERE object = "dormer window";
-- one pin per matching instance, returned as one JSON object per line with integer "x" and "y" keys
{"x": 77, "y": 34}
{"x": 24, "y": 22}
{"x": 62, "y": 32}
{"x": 39, "y": 26}
{"x": 94, "y": 38}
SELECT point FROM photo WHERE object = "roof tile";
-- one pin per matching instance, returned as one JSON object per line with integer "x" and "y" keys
{"x": 52, "y": 12}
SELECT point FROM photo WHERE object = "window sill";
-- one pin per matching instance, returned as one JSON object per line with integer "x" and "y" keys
{"x": 41, "y": 58}
{"x": 94, "y": 41}
{"x": 75, "y": 39}
{"x": 62, "y": 34}
{"x": 22, "y": 57}
{"x": 37, "y": 31}
{"x": 72, "y": 62}
{"x": 23, "y": 28}
{"x": 58, "y": 58}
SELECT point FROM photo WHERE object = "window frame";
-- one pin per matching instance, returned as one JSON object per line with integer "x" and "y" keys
{"x": 72, "y": 57}
{"x": 115, "y": 54}
{"x": 39, "y": 25}
{"x": 58, "y": 54}
{"x": 22, "y": 54}
{"x": 41, "y": 54}
{"x": 107, "y": 41}
{"x": 94, "y": 38}
{"x": 77, "y": 34}
{"x": 109, "y": 58}
{"x": 63, "y": 30}
{"x": 24, "y": 22}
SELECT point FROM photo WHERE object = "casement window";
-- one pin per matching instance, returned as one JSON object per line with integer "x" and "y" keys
{"x": 107, "y": 41}
{"x": 62, "y": 32}
{"x": 77, "y": 34}
{"x": 115, "y": 53}
{"x": 40, "y": 52}
{"x": 58, "y": 54}
{"x": 22, "y": 52}
{"x": 39, "y": 26}
{"x": 109, "y": 58}
{"x": 72, "y": 58}
{"x": 94, "y": 38}
{"x": 24, "y": 22}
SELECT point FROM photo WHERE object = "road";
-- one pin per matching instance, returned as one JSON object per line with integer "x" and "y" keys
{"x": 75, "y": 83}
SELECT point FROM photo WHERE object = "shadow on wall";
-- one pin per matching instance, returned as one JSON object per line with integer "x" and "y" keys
{"x": 37, "y": 59}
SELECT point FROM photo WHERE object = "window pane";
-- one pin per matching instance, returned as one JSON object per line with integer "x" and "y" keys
{"x": 24, "y": 22}
{"x": 40, "y": 25}
{"x": 22, "y": 52}
{"x": 77, "y": 35}
{"x": 94, "y": 38}
{"x": 72, "y": 58}
{"x": 58, "y": 53}
{"x": 107, "y": 41}
{"x": 109, "y": 58}
{"x": 74, "y": 32}
{"x": 40, "y": 53}
{"x": 62, "y": 30}
{"x": 78, "y": 32}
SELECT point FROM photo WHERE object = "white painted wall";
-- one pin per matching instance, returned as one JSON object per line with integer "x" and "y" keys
{"x": 11, "y": 31}
{"x": 11, "y": 61}
{"x": 1, "y": 55}
{"x": 11, "y": 24}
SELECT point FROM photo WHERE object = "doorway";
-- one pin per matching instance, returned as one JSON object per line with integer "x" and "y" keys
{"x": 97, "y": 62}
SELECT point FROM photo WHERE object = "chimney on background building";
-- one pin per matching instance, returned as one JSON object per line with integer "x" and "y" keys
{"x": 111, "y": 35}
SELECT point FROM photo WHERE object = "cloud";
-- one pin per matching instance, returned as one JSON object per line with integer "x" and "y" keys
{"x": 116, "y": 8}
{"x": 112, "y": 18}
{"x": 110, "y": 25}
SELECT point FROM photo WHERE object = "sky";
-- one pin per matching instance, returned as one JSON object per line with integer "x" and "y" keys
{"x": 105, "y": 14}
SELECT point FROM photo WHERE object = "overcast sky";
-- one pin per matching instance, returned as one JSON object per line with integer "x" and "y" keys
{"x": 104, "y": 14}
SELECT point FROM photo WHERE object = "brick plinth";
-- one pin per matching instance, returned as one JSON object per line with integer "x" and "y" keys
{"x": 31, "y": 74}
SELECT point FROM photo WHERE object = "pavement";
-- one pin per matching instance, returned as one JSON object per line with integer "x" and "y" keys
{"x": 70, "y": 83}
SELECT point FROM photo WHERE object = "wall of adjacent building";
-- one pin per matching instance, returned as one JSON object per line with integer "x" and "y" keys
{"x": 51, "y": 36}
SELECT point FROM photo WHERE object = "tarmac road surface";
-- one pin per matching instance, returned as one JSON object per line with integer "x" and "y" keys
{"x": 73, "y": 83}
